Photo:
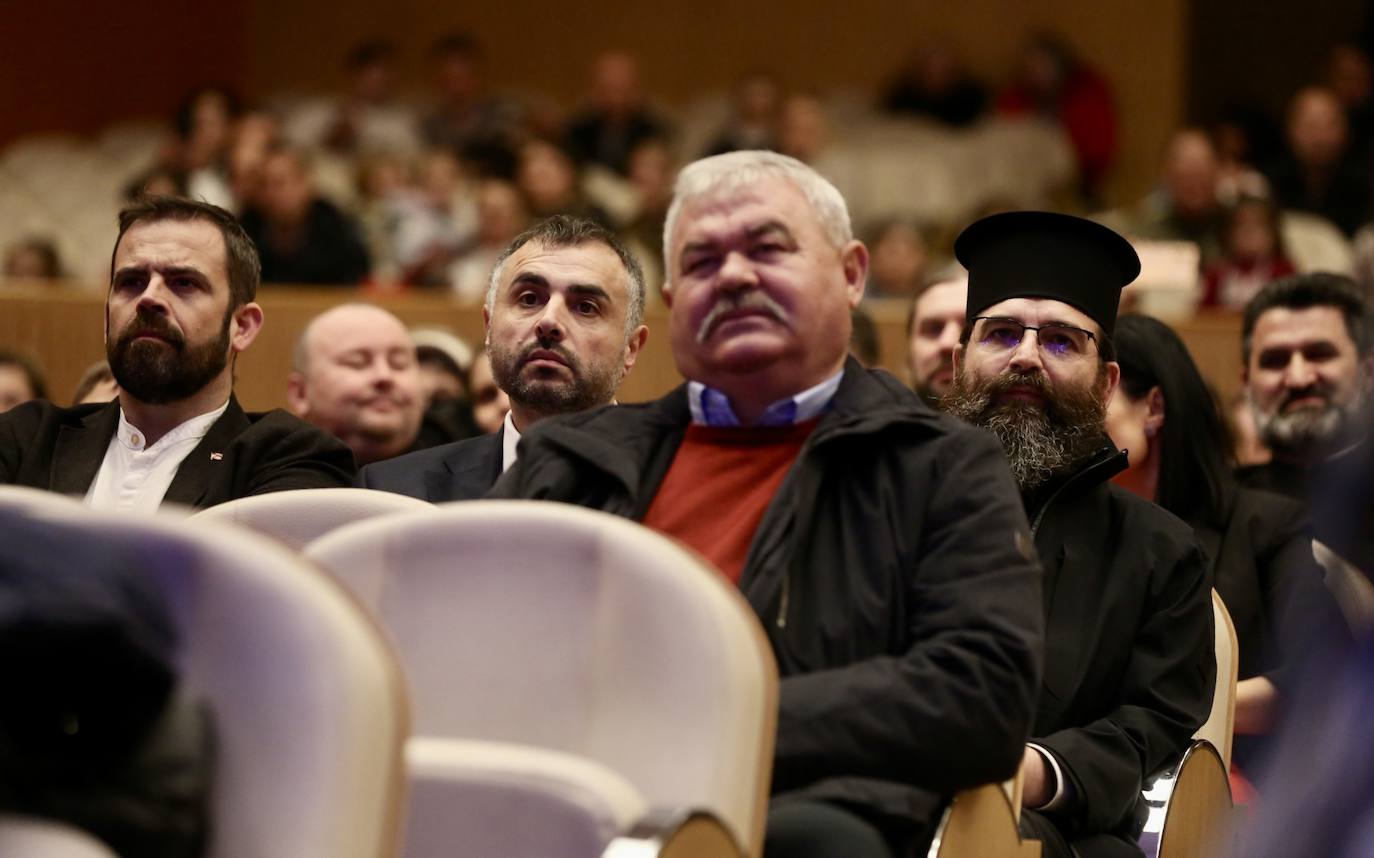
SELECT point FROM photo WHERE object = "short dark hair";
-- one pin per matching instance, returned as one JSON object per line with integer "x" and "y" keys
{"x": 29, "y": 368}
{"x": 1195, "y": 481}
{"x": 1315, "y": 289}
{"x": 570, "y": 231}
{"x": 240, "y": 256}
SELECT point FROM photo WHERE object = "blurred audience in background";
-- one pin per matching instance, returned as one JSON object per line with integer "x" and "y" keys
{"x": 502, "y": 214}
{"x": 753, "y": 120}
{"x": 301, "y": 237}
{"x": 489, "y": 402}
{"x": 97, "y": 384}
{"x": 20, "y": 380}
{"x": 204, "y": 125}
{"x": 1319, "y": 173}
{"x": 898, "y": 259}
{"x": 34, "y": 258}
{"x": 617, "y": 115}
{"x": 1252, "y": 254}
{"x": 366, "y": 117}
{"x": 480, "y": 128}
{"x": 1054, "y": 83}
{"x": 1185, "y": 206}
{"x": 935, "y": 85}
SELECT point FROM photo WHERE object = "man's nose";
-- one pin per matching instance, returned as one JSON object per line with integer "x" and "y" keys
{"x": 1026, "y": 355}
{"x": 551, "y": 323}
{"x": 949, "y": 336}
{"x": 737, "y": 272}
{"x": 1300, "y": 372}
{"x": 154, "y": 296}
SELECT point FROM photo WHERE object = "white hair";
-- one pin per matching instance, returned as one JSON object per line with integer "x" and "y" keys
{"x": 735, "y": 170}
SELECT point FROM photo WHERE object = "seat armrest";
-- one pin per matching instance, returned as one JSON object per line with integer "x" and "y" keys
{"x": 1191, "y": 814}
{"x": 676, "y": 833}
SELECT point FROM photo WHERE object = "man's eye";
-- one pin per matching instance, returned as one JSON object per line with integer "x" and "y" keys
{"x": 587, "y": 308}
{"x": 1273, "y": 360}
{"x": 698, "y": 265}
{"x": 1003, "y": 335}
{"x": 527, "y": 299}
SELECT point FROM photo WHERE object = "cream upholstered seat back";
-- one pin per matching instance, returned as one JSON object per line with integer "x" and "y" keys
{"x": 300, "y": 516}
{"x": 548, "y": 625}
{"x": 307, "y": 702}
{"x": 1221, "y": 721}
{"x": 39, "y": 501}
{"x": 29, "y": 837}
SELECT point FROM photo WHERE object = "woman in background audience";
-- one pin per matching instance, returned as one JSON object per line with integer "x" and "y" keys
{"x": 1166, "y": 418}
{"x": 33, "y": 258}
{"x": 97, "y": 384}
{"x": 501, "y": 216}
{"x": 20, "y": 380}
{"x": 1252, "y": 255}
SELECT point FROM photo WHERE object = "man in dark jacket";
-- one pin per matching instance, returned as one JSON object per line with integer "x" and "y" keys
{"x": 180, "y": 309}
{"x": 879, "y": 542}
{"x": 1129, "y": 661}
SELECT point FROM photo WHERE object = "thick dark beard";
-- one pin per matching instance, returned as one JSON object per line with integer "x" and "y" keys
{"x": 159, "y": 373}
{"x": 1042, "y": 440}
{"x": 590, "y": 387}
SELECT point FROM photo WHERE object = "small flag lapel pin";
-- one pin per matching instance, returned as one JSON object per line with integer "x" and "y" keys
{"x": 215, "y": 457}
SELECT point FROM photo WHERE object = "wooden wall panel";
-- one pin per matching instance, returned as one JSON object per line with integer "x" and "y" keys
{"x": 62, "y": 328}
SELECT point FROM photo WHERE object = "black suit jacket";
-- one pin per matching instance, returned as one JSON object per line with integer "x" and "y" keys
{"x": 61, "y": 450}
{"x": 463, "y": 470}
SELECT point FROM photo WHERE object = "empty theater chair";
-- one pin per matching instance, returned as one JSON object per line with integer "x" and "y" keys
{"x": 306, "y": 701}
{"x": 27, "y": 837}
{"x": 298, "y": 517}
{"x": 633, "y": 678}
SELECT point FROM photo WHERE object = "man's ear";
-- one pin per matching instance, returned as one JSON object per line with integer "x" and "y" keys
{"x": 247, "y": 322}
{"x": 296, "y": 401}
{"x": 634, "y": 345}
{"x": 1113, "y": 382}
{"x": 854, "y": 261}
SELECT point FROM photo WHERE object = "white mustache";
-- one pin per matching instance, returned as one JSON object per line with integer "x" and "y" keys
{"x": 743, "y": 301}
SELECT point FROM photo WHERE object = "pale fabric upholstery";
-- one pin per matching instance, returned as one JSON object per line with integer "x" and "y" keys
{"x": 28, "y": 837}
{"x": 1221, "y": 721}
{"x": 33, "y": 500}
{"x": 307, "y": 702}
{"x": 1353, "y": 592}
{"x": 298, "y": 517}
{"x": 1315, "y": 244}
{"x": 571, "y": 630}
{"x": 565, "y": 805}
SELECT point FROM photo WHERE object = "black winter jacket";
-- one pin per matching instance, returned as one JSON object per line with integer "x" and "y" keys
{"x": 893, "y": 574}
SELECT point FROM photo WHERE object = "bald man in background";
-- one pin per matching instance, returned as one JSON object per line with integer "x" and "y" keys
{"x": 355, "y": 375}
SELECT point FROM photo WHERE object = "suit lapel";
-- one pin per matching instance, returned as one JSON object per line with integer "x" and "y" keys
{"x": 80, "y": 451}
{"x": 198, "y": 469}
{"x": 472, "y": 475}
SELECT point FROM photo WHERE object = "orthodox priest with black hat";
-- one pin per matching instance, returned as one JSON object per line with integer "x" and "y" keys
{"x": 1129, "y": 663}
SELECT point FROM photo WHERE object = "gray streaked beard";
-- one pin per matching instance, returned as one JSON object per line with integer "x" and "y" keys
{"x": 1042, "y": 441}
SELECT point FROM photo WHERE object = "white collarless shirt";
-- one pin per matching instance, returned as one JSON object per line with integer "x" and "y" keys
{"x": 135, "y": 476}
{"x": 509, "y": 439}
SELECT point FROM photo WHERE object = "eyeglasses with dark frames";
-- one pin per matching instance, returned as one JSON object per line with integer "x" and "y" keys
{"x": 1055, "y": 340}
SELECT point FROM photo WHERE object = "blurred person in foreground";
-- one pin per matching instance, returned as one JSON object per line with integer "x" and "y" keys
{"x": 1129, "y": 659}
{"x": 815, "y": 485}
{"x": 180, "y": 309}
{"x": 564, "y": 318}
{"x": 20, "y": 380}
{"x": 1259, "y": 543}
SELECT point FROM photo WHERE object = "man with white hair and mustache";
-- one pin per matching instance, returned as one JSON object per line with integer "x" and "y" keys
{"x": 564, "y": 316}
{"x": 880, "y": 543}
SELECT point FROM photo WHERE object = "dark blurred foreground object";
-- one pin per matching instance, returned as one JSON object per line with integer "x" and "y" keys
{"x": 94, "y": 731}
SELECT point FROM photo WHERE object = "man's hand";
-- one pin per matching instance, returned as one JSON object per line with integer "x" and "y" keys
{"x": 1037, "y": 787}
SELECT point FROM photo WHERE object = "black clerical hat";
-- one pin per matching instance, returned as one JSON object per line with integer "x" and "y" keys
{"x": 1046, "y": 255}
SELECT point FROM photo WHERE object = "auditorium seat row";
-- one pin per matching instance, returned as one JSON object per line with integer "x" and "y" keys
{"x": 492, "y": 678}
